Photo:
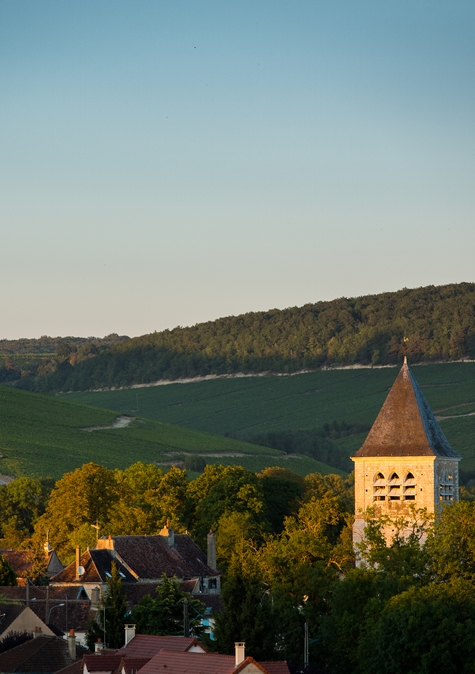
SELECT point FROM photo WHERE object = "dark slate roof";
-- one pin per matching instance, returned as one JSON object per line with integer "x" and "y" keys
{"x": 151, "y": 556}
{"x": 75, "y": 668}
{"x": 41, "y": 654}
{"x": 406, "y": 425}
{"x": 148, "y": 645}
{"x": 97, "y": 564}
{"x": 136, "y": 591}
{"x": 75, "y": 615}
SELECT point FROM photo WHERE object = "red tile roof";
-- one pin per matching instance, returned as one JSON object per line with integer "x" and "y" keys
{"x": 148, "y": 645}
{"x": 279, "y": 667}
{"x": 101, "y": 663}
{"x": 406, "y": 425}
{"x": 21, "y": 561}
{"x": 131, "y": 665}
{"x": 197, "y": 663}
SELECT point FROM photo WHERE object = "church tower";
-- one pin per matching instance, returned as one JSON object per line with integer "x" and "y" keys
{"x": 406, "y": 459}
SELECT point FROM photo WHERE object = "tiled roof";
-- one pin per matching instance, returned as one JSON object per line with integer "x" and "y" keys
{"x": 131, "y": 665}
{"x": 136, "y": 591}
{"x": 73, "y": 614}
{"x": 97, "y": 564}
{"x": 75, "y": 668}
{"x": 101, "y": 663}
{"x": 151, "y": 556}
{"x": 8, "y": 614}
{"x": 41, "y": 654}
{"x": 147, "y": 645}
{"x": 21, "y": 561}
{"x": 280, "y": 667}
{"x": 406, "y": 425}
{"x": 196, "y": 663}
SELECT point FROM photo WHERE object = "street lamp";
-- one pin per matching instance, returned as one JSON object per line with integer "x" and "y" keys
{"x": 52, "y": 609}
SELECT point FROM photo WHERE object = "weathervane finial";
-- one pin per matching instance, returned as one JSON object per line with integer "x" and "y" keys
{"x": 405, "y": 341}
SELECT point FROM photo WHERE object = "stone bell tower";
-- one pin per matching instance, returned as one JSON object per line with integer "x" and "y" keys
{"x": 406, "y": 459}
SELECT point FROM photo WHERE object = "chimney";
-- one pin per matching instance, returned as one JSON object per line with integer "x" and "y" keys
{"x": 129, "y": 633}
{"x": 167, "y": 531}
{"x": 95, "y": 597}
{"x": 72, "y": 645}
{"x": 211, "y": 540}
{"x": 78, "y": 561}
{"x": 37, "y": 632}
{"x": 98, "y": 646}
{"x": 240, "y": 652}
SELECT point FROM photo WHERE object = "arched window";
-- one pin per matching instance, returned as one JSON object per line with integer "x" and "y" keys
{"x": 409, "y": 487}
{"x": 394, "y": 487}
{"x": 379, "y": 487}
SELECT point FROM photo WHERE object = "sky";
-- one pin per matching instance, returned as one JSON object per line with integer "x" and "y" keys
{"x": 168, "y": 162}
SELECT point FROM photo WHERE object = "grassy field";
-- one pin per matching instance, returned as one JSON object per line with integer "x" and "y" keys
{"x": 44, "y": 436}
{"x": 250, "y": 405}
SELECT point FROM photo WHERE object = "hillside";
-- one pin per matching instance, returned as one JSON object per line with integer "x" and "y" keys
{"x": 245, "y": 407}
{"x": 42, "y": 436}
{"x": 438, "y": 321}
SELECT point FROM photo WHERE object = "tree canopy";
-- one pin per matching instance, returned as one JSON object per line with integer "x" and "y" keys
{"x": 439, "y": 322}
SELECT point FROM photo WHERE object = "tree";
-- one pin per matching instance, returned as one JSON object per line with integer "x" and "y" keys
{"x": 452, "y": 542}
{"x": 7, "y": 574}
{"x": 164, "y": 614}
{"x": 247, "y": 616}
{"x": 22, "y": 502}
{"x": 235, "y": 490}
{"x": 111, "y": 614}
{"x": 426, "y": 630}
{"x": 78, "y": 499}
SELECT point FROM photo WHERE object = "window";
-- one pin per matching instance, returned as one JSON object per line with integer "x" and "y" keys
{"x": 409, "y": 491}
{"x": 446, "y": 485}
{"x": 394, "y": 487}
{"x": 379, "y": 487}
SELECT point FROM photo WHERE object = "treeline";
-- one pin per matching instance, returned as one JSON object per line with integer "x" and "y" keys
{"x": 315, "y": 442}
{"x": 284, "y": 544}
{"x": 20, "y": 358}
{"x": 439, "y": 323}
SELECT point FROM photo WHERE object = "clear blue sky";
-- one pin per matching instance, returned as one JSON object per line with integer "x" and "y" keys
{"x": 166, "y": 162}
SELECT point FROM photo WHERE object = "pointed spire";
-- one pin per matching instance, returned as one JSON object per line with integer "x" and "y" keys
{"x": 406, "y": 426}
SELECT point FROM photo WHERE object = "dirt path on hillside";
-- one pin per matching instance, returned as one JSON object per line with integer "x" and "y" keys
{"x": 119, "y": 422}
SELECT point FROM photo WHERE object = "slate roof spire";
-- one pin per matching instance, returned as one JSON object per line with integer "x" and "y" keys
{"x": 406, "y": 425}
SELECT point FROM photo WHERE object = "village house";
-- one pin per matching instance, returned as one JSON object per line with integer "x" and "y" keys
{"x": 22, "y": 562}
{"x": 60, "y": 608}
{"x": 18, "y": 618}
{"x": 406, "y": 461}
{"x": 146, "y": 654}
{"x": 44, "y": 654}
{"x": 141, "y": 561}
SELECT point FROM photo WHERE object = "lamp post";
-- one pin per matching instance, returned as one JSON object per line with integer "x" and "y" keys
{"x": 52, "y": 609}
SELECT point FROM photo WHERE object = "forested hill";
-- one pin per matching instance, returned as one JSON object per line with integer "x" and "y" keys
{"x": 438, "y": 321}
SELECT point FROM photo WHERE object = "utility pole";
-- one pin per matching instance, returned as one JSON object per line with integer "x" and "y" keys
{"x": 186, "y": 625}
{"x": 305, "y": 652}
